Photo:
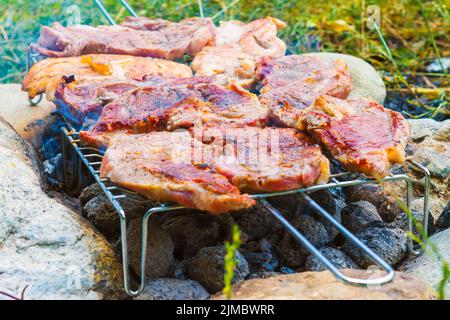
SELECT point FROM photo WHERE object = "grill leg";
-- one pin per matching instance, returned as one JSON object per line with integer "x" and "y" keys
{"x": 144, "y": 237}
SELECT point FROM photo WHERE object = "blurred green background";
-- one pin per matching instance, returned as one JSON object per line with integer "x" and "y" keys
{"x": 411, "y": 35}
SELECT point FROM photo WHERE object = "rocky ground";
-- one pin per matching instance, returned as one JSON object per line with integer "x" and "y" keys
{"x": 40, "y": 238}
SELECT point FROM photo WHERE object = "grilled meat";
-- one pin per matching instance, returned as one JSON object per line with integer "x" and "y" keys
{"x": 292, "y": 83}
{"x": 360, "y": 133}
{"x": 171, "y": 166}
{"x": 82, "y": 101}
{"x": 136, "y": 36}
{"x": 228, "y": 63}
{"x": 176, "y": 103}
{"x": 238, "y": 46}
{"x": 47, "y": 74}
{"x": 265, "y": 159}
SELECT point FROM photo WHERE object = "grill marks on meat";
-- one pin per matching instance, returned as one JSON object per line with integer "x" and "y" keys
{"x": 207, "y": 170}
{"x": 136, "y": 36}
{"x": 292, "y": 83}
{"x": 266, "y": 159}
{"x": 176, "y": 103}
{"x": 363, "y": 135}
{"x": 47, "y": 74}
{"x": 238, "y": 46}
{"x": 161, "y": 166}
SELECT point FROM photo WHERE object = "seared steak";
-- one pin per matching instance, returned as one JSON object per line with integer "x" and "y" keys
{"x": 238, "y": 46}
{"x": 47, "y": 74}
{"x": 360, "y": 133}
{"x": 292, "y": 83}
{"x": 176, "y": 103}
{"x": 171, "y": 166}
{"x": 265, "y": 159}
{"x": 168, "y": 40}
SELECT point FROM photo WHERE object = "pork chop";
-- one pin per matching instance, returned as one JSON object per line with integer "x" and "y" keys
{"x": 45, "y": 75}
{"x": 360, "y": 133}
{"x": 238, "y": 46}
{"x": 292, "y": 83}
{"x": 265, "y": 159}
{"x": 169, "y": 40}
{"x": 82, "y": 101}
{"x": 176, "y": 103}
{"x": 161, "y": 166}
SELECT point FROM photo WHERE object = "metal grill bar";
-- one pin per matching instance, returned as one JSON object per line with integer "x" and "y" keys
{"x": 327, "y": 263}
{"x": 90, "y": 157}
{"x": 129, "y": 8}
{"x": 104, "y": 12}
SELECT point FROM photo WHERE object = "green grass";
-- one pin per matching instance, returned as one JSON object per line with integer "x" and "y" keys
{"x": 230, "y": 260}
{"x": 414, "y": 31}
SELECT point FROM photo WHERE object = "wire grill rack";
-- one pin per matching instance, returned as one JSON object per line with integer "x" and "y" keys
{"x": 82, "y": 164}
{"x": 91, "y": 158}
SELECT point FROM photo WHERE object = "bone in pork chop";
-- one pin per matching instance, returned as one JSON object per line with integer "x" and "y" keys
{"x": 47, "y": 74}
{"x": 175, "y": 103}
{"x": 265, "y": 159}
{"x": 168, "y": 40}
{"x": 292, "y": 83}
{"x": 360, "y": 133}
{"x": 238, "y": 46}
{"x": 171, "y": 166}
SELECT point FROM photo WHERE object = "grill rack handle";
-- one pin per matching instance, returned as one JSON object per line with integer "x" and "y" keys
{"x": 302, "y": 240}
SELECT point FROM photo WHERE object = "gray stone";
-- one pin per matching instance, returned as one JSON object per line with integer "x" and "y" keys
{"x": 333, "y": 201}
{"x": 402, "y": 220}
{"x": 444, "y": 219}
{"x": 385, "y": 203}
{"x": 99, "y": 211}
{"x": 256, "y": 223}
{"x": 291, "y": 252}
{"x": 260, "y": 256}
{"x": 191, "y": 231}
{"x": 263, "y": 274}
{"x": 427, "y": 266}
{"x": 357, "y": 215}
{"x": 438, "y": 65}
{"x": 366, "y": 81}
{"x": 208, "y": 268}
{"x": 432, "y": 150}
{"x": 159, "y": 248}
{"x": 337, "y": 257}
{"x": 388, "y": 242}
{"x": 173, "y": 289}
{"x": 43, "y": 244}
{"x": 89, "y": 192}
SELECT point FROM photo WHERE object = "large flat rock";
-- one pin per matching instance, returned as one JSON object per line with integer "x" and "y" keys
{"x": 27, "y": 120}
{"x": 44, "y": 245}
{"x": 324, "y": 286}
